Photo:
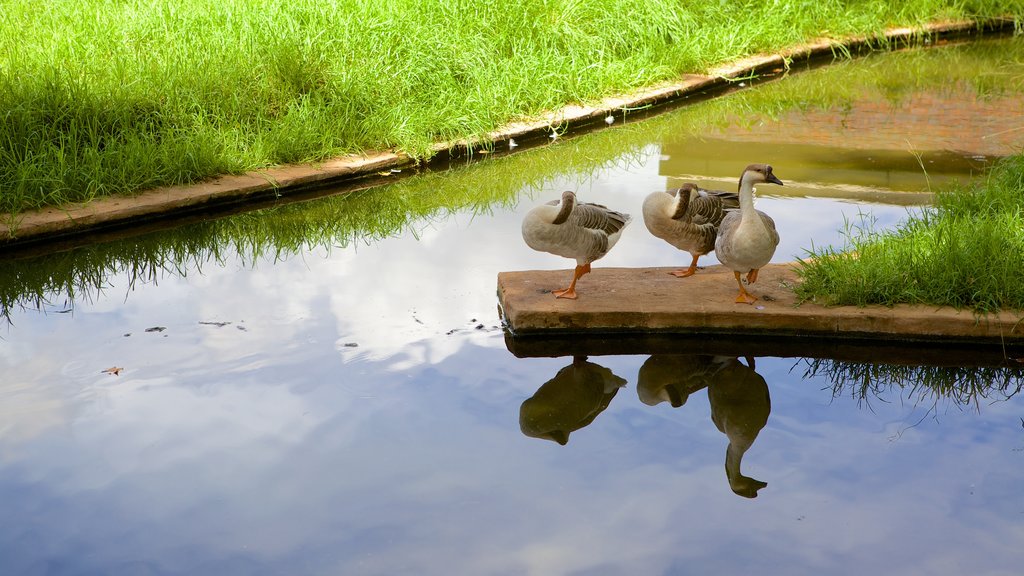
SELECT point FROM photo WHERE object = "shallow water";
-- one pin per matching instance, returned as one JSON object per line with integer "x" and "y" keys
{"x": 302, "y": 395}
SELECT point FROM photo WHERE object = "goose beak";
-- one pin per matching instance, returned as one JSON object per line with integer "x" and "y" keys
{"x": 772, "y": 179}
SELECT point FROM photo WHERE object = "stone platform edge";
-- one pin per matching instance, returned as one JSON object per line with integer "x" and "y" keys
{"x": 638, "y": 301}
{"x": 121, "y": 211}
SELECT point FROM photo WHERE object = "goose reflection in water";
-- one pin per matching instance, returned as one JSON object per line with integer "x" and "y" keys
{"x": 569, "y": 401}
{"x": 673, "y": 377}
{"x": 739, "y": 399}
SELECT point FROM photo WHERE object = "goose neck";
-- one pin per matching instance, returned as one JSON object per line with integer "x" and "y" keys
{"x": 565, "y": 208}
{"x": 746, "y": 197}
{"x": 681, "y": 204}
{"x": 733, "y": 458}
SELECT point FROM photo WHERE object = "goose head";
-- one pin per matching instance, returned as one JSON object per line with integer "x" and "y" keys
{"x": 757, "y": 174}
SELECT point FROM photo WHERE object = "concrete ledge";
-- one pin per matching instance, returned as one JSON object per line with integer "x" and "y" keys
{"x": 634, "y": 301}
{"x": 62, "y": 222}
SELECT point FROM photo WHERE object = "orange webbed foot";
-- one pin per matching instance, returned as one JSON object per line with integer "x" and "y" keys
{"x": 683, "y": 273}
{"x": 745, "y": 297}
{"x": 566, "y": 293}
{"x": 570, "y": 292}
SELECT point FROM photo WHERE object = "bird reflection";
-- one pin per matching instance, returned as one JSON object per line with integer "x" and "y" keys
{"x": 673, "y": 377}
{"x": 569, "y": 401}
{"x": 740, "y": 405}
{"x": 739, "y": 399}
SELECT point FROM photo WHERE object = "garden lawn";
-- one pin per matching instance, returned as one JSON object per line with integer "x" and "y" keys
{"x": 100, "y": 98}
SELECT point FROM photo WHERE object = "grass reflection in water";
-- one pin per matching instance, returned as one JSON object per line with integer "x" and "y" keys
{"x": 288, "y": 230}
{"x": 961, "y": 386}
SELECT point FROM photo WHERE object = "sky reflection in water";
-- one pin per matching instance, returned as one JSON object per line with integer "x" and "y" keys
{"x": 356, "y": 411}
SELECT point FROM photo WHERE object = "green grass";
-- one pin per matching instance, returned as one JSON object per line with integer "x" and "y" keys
{"x": 967, "y": 251}
{"x": 101, "y": 97}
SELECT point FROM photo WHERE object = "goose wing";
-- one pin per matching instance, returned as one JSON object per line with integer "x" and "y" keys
{"x": 711, "y": 206}
{"x": 769, "y": 225}
{"x": 730, "y": 222}
{"x": 730, "y": 200}
{"x": 597, "y": 229}
{"x": 598, "y": 218}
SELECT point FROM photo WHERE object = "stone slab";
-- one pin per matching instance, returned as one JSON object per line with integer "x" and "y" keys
{"x": 652, "y": 301}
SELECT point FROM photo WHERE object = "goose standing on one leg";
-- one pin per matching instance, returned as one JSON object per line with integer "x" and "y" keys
{"x": 577, "y": 230}
{"x": 688, "y": 218}
{"x": 747, "y": 239}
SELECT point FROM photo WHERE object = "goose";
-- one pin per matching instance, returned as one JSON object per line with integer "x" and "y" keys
{"x": 578, "y": 230}
{"x": 688, "y": 218}
{"x": 747, "y": 238}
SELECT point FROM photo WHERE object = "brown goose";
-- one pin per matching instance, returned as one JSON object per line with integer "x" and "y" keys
{"x": 747, "y": 238}
{"x": 688, "y": 218}
{"x": 577, "y": 230}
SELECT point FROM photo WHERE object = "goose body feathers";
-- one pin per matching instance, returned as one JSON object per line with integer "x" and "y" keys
{"x": 688, "y": 218}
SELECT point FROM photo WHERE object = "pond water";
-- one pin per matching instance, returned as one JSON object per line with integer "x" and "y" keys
{"x": 325, "y": 388}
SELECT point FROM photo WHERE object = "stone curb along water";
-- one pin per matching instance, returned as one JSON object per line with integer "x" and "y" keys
{"x": 627, "y": 301}
{"x": 59, "y": 223}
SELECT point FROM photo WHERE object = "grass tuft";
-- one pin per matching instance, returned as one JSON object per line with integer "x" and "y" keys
{"x": 966, "y": 252}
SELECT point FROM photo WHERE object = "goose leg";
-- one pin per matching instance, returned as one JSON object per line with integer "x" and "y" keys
{"x": 689, "y": 271}
{"x": 570, "y": 292}
{"x": 744, "y": 297}
{"x": 752, "y": 276}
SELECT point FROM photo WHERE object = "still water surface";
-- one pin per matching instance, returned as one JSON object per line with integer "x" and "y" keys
{"x": 346, "y": 403}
